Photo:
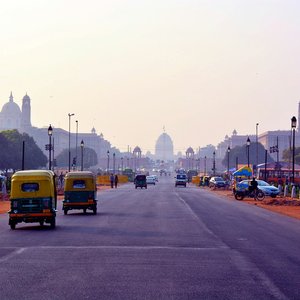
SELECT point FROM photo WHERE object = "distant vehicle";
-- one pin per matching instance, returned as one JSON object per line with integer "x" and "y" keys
{"x": 80, "y": 191}
{"x": 217, "y": 182}
{"x": 140, "y": 181}
{"x": 268, "y": 190}
{"x": 129, "y": 173}
{"x": 155, "y": 177}
{"x": 150, "y": 180}
{"x": 180, "y": 179}
{"x": 190, "y": 174}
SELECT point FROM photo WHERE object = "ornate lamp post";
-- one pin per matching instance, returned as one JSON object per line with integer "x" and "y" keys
{"x": 228, "y": 152}
{"x": 82, "y": 146}
{"x": 248, "y": 152}
{"x": 114, "y": 162}
{"x": 204, "y": 165}
{"x": 122, "y": 165}
{"x": 50, "y": 144}
{"x": 107, "y": 161}
{"x": 293, "y": 125}
{"x": 214, "y": 163}
{"x": 70, "y": 115}
{"x": 76, "y": 142}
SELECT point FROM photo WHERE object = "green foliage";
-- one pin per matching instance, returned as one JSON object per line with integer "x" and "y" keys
{"x": 287, "y": 155}
{"x": 89, "y": 157}
{"x": 240, "y": 152}
{"x": 11, "y": 147}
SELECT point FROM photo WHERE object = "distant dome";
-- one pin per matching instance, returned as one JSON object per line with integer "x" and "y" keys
{"x": 137, "y": 149}
{"x": 190, "y": 150}
{"x": 164, "y": 149}
{"x": 10, "y": 116}
{"x": 11, "y": 109}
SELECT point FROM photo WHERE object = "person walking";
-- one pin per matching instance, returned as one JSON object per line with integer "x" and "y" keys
{"x": 112, "y": 179}
{"x": 116, "y": 181}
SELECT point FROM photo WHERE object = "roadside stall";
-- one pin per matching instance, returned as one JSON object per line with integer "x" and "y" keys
{"x": 242, "y": 173}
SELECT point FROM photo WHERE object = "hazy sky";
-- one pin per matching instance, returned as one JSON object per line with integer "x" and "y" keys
{"x": 200, "y": 68}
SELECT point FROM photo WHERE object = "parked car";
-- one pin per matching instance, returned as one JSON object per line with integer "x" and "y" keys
{"x": 181, "y": 179}
{"x": 217, "y": 182}
{"x": 150, "y": 179}
{"x": 269, "y": 190}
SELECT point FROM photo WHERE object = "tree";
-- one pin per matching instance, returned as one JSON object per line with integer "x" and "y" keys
{"x": 89, "y": 157}
{"x": 240, "y": 152}
{"x": 11, "y": 143}
{"x": 287, "y": 155}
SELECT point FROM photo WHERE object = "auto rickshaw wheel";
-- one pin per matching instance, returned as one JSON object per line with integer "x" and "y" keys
{"x": 52, "y": 223}
{"x": 95, "y": 210}
{"x": 65, "y": 211}
{"x": 12, "y": 225}
{"x": 238, "y": 196}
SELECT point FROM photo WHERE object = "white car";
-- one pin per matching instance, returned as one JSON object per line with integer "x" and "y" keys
{"x": 150, "y": 179}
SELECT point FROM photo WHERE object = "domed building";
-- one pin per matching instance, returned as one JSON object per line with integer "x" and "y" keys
{"x": 10, "y": 115}
{"x": 164, "y": 149}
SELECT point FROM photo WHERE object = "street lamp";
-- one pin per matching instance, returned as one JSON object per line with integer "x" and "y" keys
{"x": 228, "y": 152}
{"x": 50, "y": 144}
{"x": 214, "y": 163}
{"x": 114, "y": 161}
{"x": 293, "y": 124}
{"x": 70, "y": 115}
{"x": 76, "y": 140}
{"x": 82, "y": 146}
{"x": 257, "y": 144}
{"x": 204, "y": 165}
{"x": 107, "y": 161}
{"x": 248, "y": 153}
{"x": 122, "y": 165}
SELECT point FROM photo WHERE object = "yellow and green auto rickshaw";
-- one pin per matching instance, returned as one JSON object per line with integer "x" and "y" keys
{"x": 80, "y": 191}
{"x": 33, "y": 198}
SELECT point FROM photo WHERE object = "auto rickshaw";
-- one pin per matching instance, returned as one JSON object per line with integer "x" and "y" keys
{"x": 80, "y": 191}
{"x": 140, "y": 181}
{"x": 33, "y": 198}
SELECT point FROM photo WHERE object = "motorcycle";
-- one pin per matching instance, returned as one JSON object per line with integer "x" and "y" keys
{"x": 256, "y": 194}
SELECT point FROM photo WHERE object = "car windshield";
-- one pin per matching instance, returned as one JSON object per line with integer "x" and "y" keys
{"x": 181, "y": 176}
{"x": 262, "y": 183}
{"x": 219, "y": 179}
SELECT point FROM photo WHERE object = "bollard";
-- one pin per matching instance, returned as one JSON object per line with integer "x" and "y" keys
{"x": 286, "y": 191}
{"x": 293, "y": 194}
{"x": 280, "y": 189}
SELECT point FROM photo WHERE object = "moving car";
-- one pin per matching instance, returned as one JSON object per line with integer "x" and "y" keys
{"x": 33, "y": 198}
{"x": 180, "y": 179}
{"x": 150, "y": 179}
{"x": 269, "y": 190}
{"x": 217, "y": 182}
{"x": 140, "y": 181}
{"x": 80, "y": 192}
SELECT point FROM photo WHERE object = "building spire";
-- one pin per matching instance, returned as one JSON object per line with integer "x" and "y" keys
{"x": 11, "y": 98}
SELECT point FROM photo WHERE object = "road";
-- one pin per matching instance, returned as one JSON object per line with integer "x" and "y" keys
{"x": 159, "y": 243}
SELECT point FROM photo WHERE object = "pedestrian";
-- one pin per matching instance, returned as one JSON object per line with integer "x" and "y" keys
{"x": 112, "y": 179}
{"x": 116, "y": 180}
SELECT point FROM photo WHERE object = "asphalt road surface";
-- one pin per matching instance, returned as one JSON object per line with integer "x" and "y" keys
{"x": 159, "y": 243}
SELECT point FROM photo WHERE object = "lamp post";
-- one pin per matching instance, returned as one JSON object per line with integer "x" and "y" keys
{"x": 228, "y": 152}
{"x": 204, "y": 165}
{"x": 114, "y": 162}
{"x": 70, "y": 115}
{"x": 293, "y": 125}
{"x": 107, "y": 161}
{"x": 257, "y": 144}
{"x": 76, "y": 140}
{"x": 50, "y": 144}
{"x": 214, "y": 163}
{"x": 82, "y": 146}
{"x": 248, "y": 152}
{"x": 122, "y": 165}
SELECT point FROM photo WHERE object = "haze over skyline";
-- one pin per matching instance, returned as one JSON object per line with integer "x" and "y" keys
{"x": 129, "y": 68}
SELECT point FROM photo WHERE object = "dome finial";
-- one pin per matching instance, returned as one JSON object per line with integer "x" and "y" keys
{"x": 11, "y": 98}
